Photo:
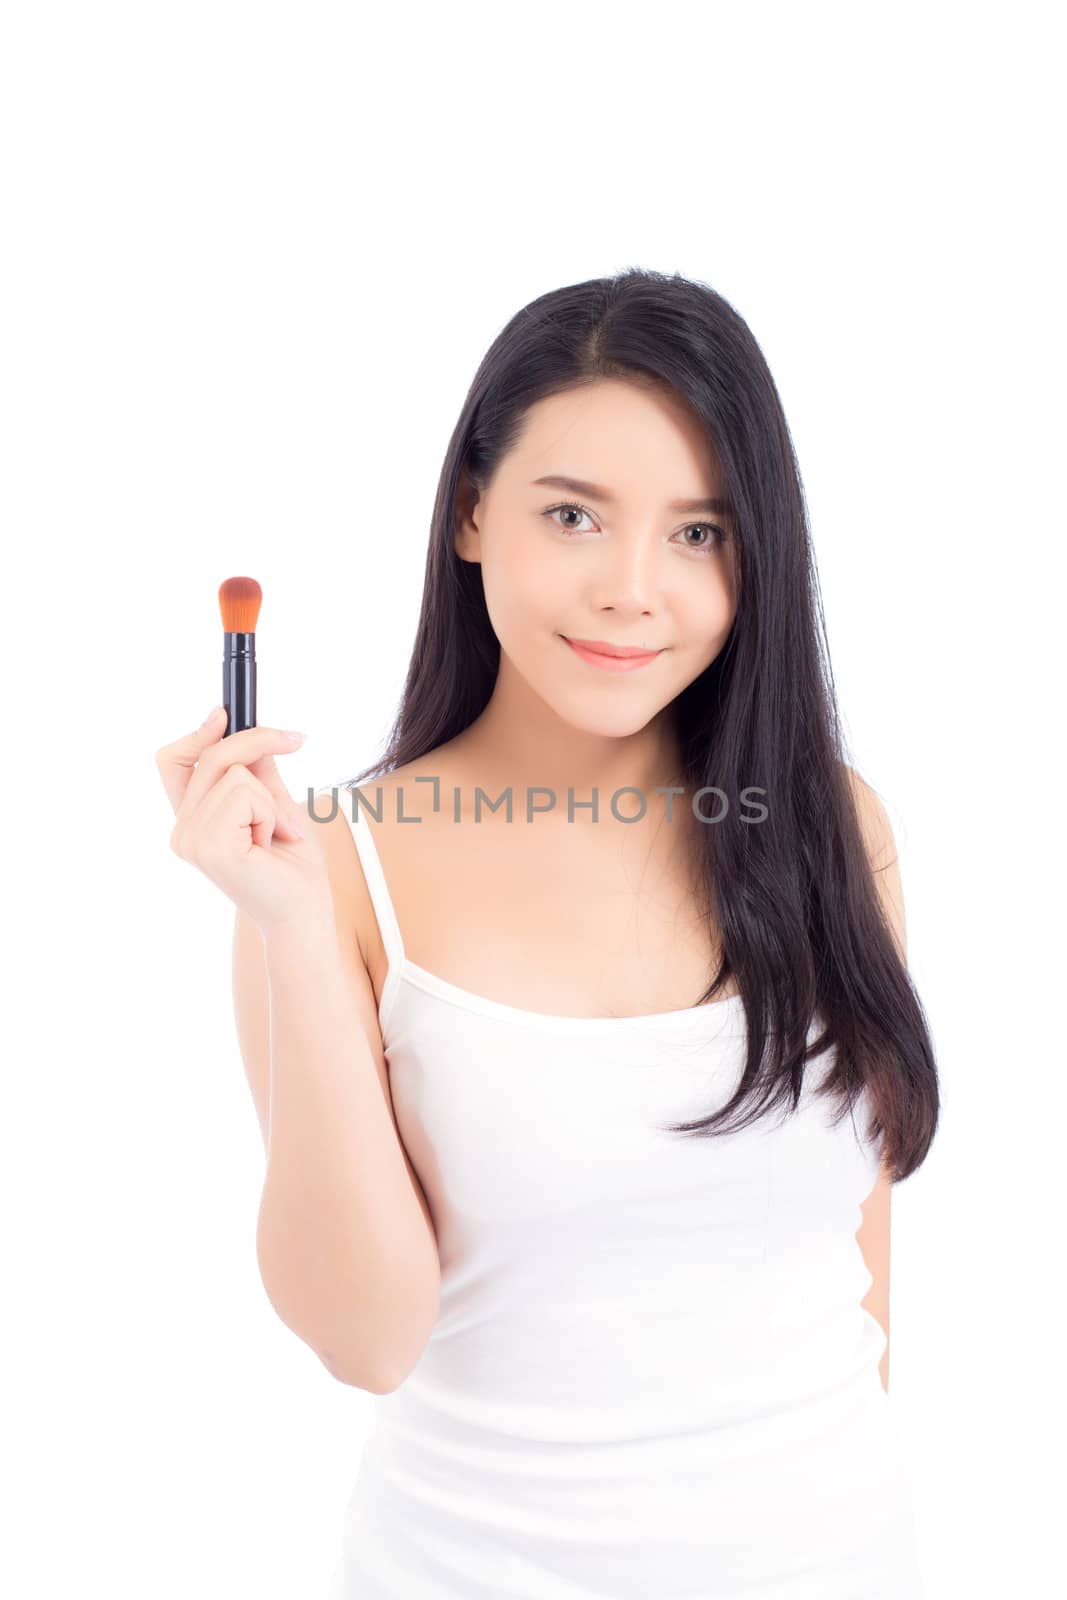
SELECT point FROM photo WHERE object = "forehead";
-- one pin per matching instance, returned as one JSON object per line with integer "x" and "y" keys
{"x": 635, "y": 438}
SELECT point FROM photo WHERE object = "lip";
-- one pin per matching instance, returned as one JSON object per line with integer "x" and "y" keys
{"x": 609, "y": 657}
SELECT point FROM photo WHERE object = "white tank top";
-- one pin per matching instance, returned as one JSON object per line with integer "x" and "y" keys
{"x": 651, "y": 1376}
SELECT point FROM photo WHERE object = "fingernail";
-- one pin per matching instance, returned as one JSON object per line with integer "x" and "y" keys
{"x": 212, "y": 714}
{"x": 287, "y": 733}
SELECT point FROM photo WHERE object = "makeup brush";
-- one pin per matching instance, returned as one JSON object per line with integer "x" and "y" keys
{"x": 239, "y": 602}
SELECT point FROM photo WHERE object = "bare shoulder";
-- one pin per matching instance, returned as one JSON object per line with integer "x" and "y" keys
{"x": 330, "y": 813}
{"x": 335, "y": 814}
{"x": 874, "y": 822}
{"x": 882, "y": 854}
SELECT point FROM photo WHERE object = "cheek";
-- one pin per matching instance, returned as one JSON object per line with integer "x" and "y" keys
{"x": 705, "y": 611}
{"x": 520, "y": 583}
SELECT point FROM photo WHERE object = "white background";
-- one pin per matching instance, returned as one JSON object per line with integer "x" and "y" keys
{"x": 253, "y": 255}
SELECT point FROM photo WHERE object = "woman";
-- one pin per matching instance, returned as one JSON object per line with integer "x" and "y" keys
{"x": 576, "y": 1092}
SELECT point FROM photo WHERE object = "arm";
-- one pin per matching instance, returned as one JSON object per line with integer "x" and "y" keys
{"x": 345, "y": 1241}
{"x": 874, "y": 1232}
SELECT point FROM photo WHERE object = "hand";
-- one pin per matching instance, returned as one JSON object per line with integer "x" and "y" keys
{"x": 237, "y": 822}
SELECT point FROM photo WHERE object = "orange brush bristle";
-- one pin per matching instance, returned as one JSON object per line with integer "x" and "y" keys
{"x": 239, "y": 602}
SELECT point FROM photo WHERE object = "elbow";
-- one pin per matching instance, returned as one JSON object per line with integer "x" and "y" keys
{"x": 371, "y": 1341}
{"x": 363, "y": 1368}
{"x": 368, "y": 1382}
{"x": 379, "y": 1382}
{"x": 386, "y": 1375}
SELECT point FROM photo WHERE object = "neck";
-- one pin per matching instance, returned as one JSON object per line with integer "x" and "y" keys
{"x": 521, "y": 743}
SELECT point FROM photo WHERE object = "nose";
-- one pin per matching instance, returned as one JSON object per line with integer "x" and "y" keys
{"x": 627, "y": 578}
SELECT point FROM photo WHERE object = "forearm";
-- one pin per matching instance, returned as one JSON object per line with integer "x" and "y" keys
{"x": 346, "y": 1253}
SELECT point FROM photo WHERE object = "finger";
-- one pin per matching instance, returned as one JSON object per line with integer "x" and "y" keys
{"x": 290, "y": 813}
{"x": 206, "y": 834}
{"x": 177, "y": 761}
{"x": 239, "y": 749}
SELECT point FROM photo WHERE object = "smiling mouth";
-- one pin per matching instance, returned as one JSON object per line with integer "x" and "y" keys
{"x": 609, "y": 662}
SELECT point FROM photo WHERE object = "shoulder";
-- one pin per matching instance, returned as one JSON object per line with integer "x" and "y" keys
{"x": 329, "y": 810}
{"x": 874, "y": 822}
{"x": 334, "y": 810}
{"x": 881, "y": 853}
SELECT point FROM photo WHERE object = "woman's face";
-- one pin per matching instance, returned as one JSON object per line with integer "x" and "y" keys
{"x": 617, "y": 559}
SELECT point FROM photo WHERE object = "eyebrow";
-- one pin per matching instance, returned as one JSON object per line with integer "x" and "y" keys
{"x": 593, "y": 491}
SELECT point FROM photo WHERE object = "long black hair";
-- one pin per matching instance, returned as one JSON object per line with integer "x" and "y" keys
{"x": 795, "y": 907}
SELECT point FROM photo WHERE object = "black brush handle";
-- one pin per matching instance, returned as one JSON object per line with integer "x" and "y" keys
{"x": 239, "y": 681}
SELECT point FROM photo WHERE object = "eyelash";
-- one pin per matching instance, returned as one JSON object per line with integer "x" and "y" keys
{"x": 707, "y": 549}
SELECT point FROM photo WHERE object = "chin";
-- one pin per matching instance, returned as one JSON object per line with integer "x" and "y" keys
{"x": 607, "y": 722}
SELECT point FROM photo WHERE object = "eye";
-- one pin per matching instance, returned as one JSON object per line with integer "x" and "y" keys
{"x": 716, "y": 535}
{"x": 567, "y": 506}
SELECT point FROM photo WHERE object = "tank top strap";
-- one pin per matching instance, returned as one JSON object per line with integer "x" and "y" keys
{"x": 362, "y": 831}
